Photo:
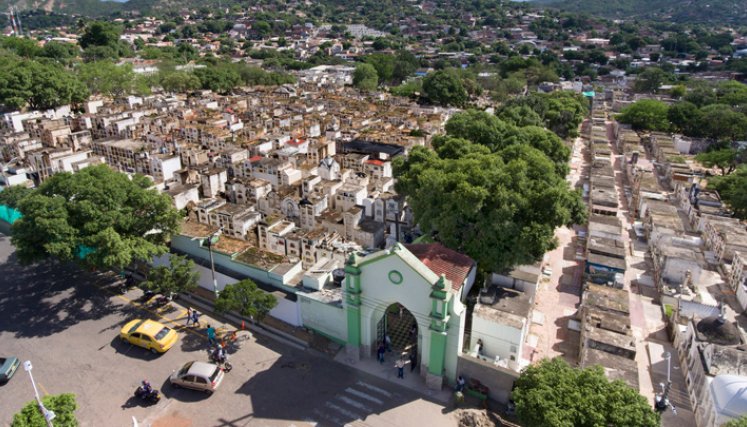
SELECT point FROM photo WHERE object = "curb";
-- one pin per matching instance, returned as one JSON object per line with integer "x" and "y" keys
{"x": 264, "y": 330}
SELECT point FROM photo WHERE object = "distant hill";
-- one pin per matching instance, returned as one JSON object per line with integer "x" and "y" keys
{"x": 704, "y": 11}
{"x": 90, "y": 8}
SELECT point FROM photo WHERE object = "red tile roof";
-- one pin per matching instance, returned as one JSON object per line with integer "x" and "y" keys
{"x": 375, "y": 162}
{"x": 442, "y": 260}
{"x": 255, "y": 159}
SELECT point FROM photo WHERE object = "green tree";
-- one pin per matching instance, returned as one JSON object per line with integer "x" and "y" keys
{"x": 719, "y": 121}
{"x": 499, "y": 208}
{"x": 444, "y": 87}
{"x": 650, "y": 79}
{"x": 121, "y": 219}
{"x": 554, "y": 394}
{"x": 107, "y": 78}
{"x": 245, "y": 298}
{"x": 686, "y": 118}
{"x": 99, "y": 33}
{"x": 63, "y": 406}
{"x": 648, "y": 114}
{"x": 181, "y": 276}
{"x": 221, "y": 78}
{"x": 733, "y": 189}
{"x": 11, "y": 196}
{"x": 520, "y": 115}
{"x": 180, "y": 81}
{"x": 384, "y": 65}
{"x": 365, "y": 77}
{"x": 38, "y": 86}
{"x": 725, "y": 159}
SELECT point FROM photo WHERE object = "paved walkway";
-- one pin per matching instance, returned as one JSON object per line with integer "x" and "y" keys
{"x": 387, "y": 371}
{"x": 559, "y": 295}
{"x": 646, "y": 319}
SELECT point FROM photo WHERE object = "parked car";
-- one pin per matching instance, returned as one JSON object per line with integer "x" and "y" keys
{"x": 8, "y": 367}
{"x": 149, "y": 334}
{"x": 198, "y": 376}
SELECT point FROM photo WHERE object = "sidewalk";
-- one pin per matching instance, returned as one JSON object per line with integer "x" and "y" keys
{"x": 388, "y": 372}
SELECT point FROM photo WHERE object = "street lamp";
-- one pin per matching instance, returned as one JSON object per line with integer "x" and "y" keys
{"x": 48, "y": 415}
{"x": 213, "y": 239}
{"x": 661, "y": 401}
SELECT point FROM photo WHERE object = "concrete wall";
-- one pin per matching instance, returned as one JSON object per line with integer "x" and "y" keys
{"x": 497, "y": 339}
{"x": 500, "y": 381}
{"x": 286, "y": 310}
{"x": 328, "y": 319}
{"x": 192, "y": 247}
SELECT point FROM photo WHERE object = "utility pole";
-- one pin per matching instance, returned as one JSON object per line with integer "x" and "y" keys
{"x": 213, "y": 239}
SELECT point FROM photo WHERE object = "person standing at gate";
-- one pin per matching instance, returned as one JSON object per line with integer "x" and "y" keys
{"x": 413, "y": 359}
{"x": 400, "y": 365}
{"x": 380, "y": 353}
{"x": 387, "y": 342}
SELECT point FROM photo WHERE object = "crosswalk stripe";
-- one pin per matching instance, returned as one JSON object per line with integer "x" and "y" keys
{"x": 342, "y": 410}
{"x": 329, "y": 417}
{"x": 374, "y": 388}
{"x": 355, "y": 403}
{"x": 363, "y": 395}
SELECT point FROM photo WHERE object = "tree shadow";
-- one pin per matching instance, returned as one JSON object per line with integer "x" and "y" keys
{"x": 341, "y": 395}
{"x": 49, "y": 297}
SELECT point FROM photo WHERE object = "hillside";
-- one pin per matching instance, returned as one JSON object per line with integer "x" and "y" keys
{"x": 704, "y": 11}
{"x": 90, "y": 8}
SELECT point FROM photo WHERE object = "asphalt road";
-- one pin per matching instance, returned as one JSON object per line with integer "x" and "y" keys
{"x": 66, "y": 321}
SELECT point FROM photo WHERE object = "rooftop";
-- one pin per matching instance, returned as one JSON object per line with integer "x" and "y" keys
{"x": 442, "y": 260}
{"x": 506, "y": 306}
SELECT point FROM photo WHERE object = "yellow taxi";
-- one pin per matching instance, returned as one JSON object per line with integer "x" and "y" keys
{"x": 149, "y": 334}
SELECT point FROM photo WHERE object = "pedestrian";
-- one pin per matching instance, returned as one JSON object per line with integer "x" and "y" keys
{"x": 189, "y": 315}
{"x": 196, "y": 318}
{"x": 413, "y": 332}
{"x": 211, "y": 334}
{"x": 460, "y": 384}
{"x": 400, "y": 365}
{"x": 380, "y": 353}
{"x": 388, "y": 342}
{"x": 413, "y": 360}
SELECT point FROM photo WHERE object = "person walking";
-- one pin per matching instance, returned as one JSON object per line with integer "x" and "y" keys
{"x": 380, "y": 353}
{"x": 210, "y": 334}
{"x": 189, "y": 315}
{"x": 388, "y": 342}
{"x": 400, "y": 365}
{"x": 413, "y": 360}
{"x": 196, "y": 318}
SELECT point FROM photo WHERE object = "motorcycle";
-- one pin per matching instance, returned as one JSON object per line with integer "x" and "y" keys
{"x": 220, "y": 361}
{"x": 152, "y": 396}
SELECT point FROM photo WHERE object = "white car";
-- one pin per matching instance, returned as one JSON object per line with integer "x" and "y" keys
{"x": 198, "y": 376}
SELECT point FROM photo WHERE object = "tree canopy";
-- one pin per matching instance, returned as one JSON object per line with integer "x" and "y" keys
{"x": 180, "y": 276}
{"x": 245, "y": 298}
{"x": 554, "y": 394}
{"x": 725, "y": 159}
{"x": 499, "y": 208}
{"x": 444, "y": 87}
{"x": 114, "y": 219}
{"x": 27, "y": 82}
{"x": 365, "y": 77}
{"x": 63, "y": 406}
{"x": 647, "y": 114}
{"x": 733, "y": 189}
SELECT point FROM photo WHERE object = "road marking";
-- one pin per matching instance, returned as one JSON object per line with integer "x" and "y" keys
{"x": 363, "y": 395}
{"x": 343, "y": 411}
{"x": 330, "y": 417}
{"x": 355, "y": 404}
{"x": 44, "y": 390}
{"x": 374, "y": 388}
